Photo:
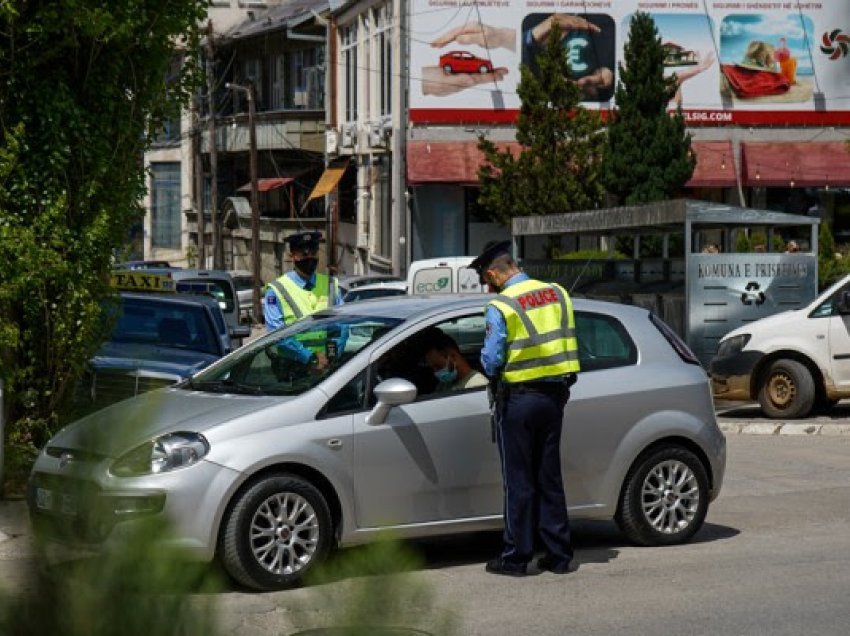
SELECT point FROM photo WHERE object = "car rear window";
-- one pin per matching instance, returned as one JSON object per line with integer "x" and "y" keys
{"x": 219, "y": 290}
{"x": 603, "y": 342}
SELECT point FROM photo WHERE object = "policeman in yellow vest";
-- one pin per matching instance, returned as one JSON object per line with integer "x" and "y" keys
{"x": 530, "y": 350}
{"x": 299, "y": 293}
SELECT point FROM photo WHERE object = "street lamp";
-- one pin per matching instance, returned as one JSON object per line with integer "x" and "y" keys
{"x": 255, "y": 206}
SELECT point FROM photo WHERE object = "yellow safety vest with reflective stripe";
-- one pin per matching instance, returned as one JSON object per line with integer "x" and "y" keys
{"x": 541, "y": 340}
{"x": 296, "y": 302}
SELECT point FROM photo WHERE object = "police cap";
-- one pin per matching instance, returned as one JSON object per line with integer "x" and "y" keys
{"x": 304, "y": 241}
{"x": 491, "y": 251}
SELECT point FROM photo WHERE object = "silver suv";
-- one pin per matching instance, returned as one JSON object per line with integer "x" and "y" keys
{"x": 267, "y": 464}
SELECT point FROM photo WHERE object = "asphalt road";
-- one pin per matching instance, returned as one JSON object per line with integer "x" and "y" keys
{"x": 773, "y": 558}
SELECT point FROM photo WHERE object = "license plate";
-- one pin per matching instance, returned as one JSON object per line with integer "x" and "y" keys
{"x": 50, "y": 501}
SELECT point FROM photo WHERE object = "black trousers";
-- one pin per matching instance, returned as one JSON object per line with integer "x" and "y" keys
{"x": 529, "y": 437}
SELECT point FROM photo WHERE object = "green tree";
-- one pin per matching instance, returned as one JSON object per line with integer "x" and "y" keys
{"x": 83, "y": 85}
{"x": 649, "y": 150}
{"x": 561, "y": 146}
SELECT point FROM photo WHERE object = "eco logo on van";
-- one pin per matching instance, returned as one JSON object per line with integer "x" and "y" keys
{"x": 438, "y": 286}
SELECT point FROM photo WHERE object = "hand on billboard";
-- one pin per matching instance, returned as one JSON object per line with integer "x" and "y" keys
{"x": 601, "y": 80}
{"x": 705, "y": 62}
{"x": 565, "y": 23}
{"x": 437, "y": 82}
{"x": 483, "y": 35}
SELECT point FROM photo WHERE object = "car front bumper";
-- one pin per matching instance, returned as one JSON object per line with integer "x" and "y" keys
{"x": 87, "y": 508}
{"x": 731, "y": 376}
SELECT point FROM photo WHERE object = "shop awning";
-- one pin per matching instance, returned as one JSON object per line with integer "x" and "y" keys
{"x": 264, "y": 185}
{"x": 329, "y": 179}
{"x": 715, "y": 165}
{"x": 445, "y": 161}
{"x": 797, "y": 164}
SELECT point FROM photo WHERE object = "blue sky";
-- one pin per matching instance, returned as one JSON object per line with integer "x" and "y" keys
{"x": 737, "y": 31}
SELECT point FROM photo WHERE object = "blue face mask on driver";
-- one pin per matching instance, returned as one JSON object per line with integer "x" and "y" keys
{"x": 445, "y": 375}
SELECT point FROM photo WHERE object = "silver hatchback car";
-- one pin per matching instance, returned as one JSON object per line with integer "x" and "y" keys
{"x": 268, "y": 464}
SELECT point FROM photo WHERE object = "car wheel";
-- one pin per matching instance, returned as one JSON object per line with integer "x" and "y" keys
{"x": 483, "y": 69}
{"x": 788, "y": 390}
{"x": 278, "y": 528}
{"x": 665, "y": 497}
{"x": 447, "y": 68}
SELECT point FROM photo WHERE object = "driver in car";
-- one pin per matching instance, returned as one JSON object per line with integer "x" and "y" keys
{"x": 452, "y": 371}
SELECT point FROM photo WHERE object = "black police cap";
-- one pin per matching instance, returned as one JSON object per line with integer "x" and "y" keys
{"x": 304, "y": 240}
{"x": 491, "y": 251}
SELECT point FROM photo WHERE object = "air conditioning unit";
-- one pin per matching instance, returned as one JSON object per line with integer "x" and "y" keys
{"x": 331, "y": 141}
{"x": 348, "y": 136}
{"x": 380, "y": 132}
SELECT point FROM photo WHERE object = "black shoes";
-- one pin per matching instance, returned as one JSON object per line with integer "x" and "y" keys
{"x": 547, "y": 564}
{"x": 498, "y": 566}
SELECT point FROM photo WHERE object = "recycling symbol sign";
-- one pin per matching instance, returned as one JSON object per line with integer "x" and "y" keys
{"x": 752, "y": 294}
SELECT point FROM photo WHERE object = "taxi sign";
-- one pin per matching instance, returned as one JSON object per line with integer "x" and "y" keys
{"x": 134, "y": 280}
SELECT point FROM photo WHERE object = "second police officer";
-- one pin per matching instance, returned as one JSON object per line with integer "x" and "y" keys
{"x": 299, "y": 293}
{"x": 530, "y": 351}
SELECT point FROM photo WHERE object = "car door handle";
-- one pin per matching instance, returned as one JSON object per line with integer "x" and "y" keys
{"x": 334, "y": 443}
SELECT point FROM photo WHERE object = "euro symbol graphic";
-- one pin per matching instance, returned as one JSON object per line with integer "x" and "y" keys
{"x": 575, "y": 53}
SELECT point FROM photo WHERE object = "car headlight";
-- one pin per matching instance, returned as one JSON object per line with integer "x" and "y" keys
{"x": 163, "y": 454}
{"x": 733, "y": 345}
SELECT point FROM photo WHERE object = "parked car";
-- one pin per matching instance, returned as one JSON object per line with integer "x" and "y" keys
{"x": 157, "y": 340}
{"x": 464, "y": 62}
{"x": 267, "y": 465}
{"x": 347, "y": 283}
{"x": 376, "y": 290}
{"x": 793, "y": 362}
{"x": 243, "y": 281}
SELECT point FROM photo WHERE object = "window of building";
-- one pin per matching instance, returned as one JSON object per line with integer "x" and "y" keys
{"x": 348, "y": 52}
{"x": 382, "y": 53}
{"x": 381, "y": 190}
{"x": 165, "y": 204}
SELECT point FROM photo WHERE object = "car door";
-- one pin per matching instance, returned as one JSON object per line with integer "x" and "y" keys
{"x": 432, "y": 460}
{"x": 839, "y": 338}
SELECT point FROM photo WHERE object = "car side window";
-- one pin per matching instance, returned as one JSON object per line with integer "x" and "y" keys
{"x": 828, "y": 307}
{"x": 407, "y": 359}
{"x": 603, "y": 342}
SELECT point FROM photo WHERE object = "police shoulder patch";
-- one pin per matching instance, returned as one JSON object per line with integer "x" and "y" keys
{"x": 271, "y": 299}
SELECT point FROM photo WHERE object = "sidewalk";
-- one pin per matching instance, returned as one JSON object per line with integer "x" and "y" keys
{"x": 747, "y": 419}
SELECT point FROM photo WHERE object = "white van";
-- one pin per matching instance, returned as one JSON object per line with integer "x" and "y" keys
{"x": 446, "y": 275}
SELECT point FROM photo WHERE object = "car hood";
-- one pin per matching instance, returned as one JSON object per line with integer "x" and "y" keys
{"x": 765, "y": 323}
{"x": 154, "y": 359}
{"x": 122, "y": 426}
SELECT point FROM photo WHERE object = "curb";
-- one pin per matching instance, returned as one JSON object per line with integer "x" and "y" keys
{"x": 797, "y": 429}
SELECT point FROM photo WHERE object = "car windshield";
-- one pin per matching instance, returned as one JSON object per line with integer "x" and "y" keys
{"x": 165, "y": 324}
{"x": 293, "y": 360}
{"x": 241, "y": 282}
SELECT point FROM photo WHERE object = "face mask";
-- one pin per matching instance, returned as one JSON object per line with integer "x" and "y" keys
{"x": 446, "y": 375}
{"x": 307, "y": 265}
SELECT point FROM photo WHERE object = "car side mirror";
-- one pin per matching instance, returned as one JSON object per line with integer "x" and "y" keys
{"x": 240, "y": 331}
{"x": 390, "y": 393}
{"x": 843, "y": 305}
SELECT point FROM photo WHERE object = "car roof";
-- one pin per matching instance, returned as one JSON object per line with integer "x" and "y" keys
{"x": 178, "y": 273}
{"x": 408, "y": 306}
{"x": 179, "y": 299}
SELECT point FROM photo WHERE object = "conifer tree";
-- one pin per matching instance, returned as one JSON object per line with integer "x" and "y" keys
{"x": 558, "y": 166}
{"x": 649, "y": 150}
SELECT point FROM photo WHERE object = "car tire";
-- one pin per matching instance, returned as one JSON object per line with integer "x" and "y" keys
{"x": 483, "y": 69}
{"x": 263, "y": 549}
{"x": 787, "y": 391}
{"x": 664, "y": 499}
{"x": 447, "y": 69}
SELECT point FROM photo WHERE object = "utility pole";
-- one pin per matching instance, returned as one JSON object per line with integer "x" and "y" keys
{"x": 255, "y": 203}
{"x": 218, "y": 261}
{"x": 199, "y": 188}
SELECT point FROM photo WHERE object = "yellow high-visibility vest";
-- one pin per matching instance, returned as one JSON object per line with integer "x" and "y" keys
{"x": 296, "y": 302}
{"x": 541, "y": 342}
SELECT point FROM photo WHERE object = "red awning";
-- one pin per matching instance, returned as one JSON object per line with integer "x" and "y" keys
{"x": 445, "y": 161}
{"x": 264, "y": 185}
{"x": 715, "y": 165}
{"x": 795, "y": 164}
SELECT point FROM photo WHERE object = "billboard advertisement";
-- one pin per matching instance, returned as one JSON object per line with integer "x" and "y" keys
{"x": 736, "y": 62}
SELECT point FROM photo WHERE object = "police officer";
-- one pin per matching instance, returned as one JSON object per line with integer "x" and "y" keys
{"x": 530, "y": 349}
{"x": 299, "y": 293}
